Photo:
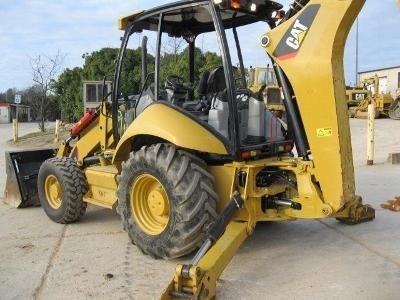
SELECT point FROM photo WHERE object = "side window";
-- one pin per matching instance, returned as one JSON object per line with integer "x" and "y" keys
{"x": 251, "y": 51}
{"x": 187, "y": 58}
{"x": 174, "y": 75}
{"x": 135, "y": 77}
{"x": 131, "y": 81}
{"x": 93, "y": 94}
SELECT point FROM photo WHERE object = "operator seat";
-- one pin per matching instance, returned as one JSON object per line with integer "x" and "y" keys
{"x": 203, "y": 84}
{"x": 216, "y": 84}
{"x": 200, "y": 104}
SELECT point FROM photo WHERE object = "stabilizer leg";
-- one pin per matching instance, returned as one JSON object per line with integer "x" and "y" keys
{"x": 197, "y": 280}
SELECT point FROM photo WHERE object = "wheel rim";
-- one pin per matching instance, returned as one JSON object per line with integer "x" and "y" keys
{"x": 150, "y": 204}
{"x": 52, "y": 189}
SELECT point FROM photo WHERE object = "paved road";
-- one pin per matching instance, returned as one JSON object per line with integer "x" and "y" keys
{"x": 93, "y": 259}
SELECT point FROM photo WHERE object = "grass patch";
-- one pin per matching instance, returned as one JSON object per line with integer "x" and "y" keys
{"x": 40, "y": 139}
{"x": 35, "y": 134}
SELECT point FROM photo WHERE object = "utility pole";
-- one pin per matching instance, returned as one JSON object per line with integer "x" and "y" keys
{"x": 356, "y": 82}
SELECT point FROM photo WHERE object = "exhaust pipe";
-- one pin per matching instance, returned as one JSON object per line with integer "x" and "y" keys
{"x": 144, "y": 60}
{"x": 22, "y": 168}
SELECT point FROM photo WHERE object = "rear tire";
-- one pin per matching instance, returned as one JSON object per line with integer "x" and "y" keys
{"x": 61, "y": 187}
{"x": 166, "y": 200}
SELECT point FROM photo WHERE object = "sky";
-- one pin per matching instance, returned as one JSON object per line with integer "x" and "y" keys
{"x": 29, "y": 28}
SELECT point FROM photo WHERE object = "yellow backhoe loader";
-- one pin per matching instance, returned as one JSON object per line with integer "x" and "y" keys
{"x": 262, "y": 81}
{"x": 381, "y": 101}
{"x": 194, "y": 163}
{"x": 355, "y": 95}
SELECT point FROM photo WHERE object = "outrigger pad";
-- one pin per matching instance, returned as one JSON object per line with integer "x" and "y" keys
{"x": 22, "y": 168}
{"x": 363, "y": 213}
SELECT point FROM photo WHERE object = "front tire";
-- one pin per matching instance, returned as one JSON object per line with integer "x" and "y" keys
{"x": 61, "y": 187}
{"x": 166, "y": 200}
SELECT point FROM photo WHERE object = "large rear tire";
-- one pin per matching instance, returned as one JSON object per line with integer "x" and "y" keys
{"x": 166, "y": 200}
{"x": 61, "y": 187}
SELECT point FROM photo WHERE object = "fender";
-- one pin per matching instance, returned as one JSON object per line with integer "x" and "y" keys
{"x": 172, "y": 125}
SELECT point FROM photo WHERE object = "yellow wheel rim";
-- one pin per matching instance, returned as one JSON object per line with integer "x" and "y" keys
{"x": 150, "y": 204}
{"x": 52, "y": 189}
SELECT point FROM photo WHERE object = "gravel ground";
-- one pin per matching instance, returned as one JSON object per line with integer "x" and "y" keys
{"x": 324, "y": 259}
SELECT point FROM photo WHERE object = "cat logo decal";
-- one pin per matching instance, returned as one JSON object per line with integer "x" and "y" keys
{"x": 291, "y": 42}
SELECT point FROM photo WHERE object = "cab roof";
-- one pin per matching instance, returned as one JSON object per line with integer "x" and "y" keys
{"x": 192, "y": 17}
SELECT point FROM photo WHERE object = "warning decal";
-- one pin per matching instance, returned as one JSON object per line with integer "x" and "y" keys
{"x": 324, "y": 132}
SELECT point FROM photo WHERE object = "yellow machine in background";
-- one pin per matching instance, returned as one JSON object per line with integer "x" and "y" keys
{"x": 197, "y": 171}
{"x": 354, "y": 97}
{"x": 394, "y": 110}
{"x": 262, "y": 80}
{"x": 381, "y": 101}
{"x": 261, "y": 77}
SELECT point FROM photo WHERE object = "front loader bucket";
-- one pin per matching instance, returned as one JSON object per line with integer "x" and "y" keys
{"x": 22, "y": 168}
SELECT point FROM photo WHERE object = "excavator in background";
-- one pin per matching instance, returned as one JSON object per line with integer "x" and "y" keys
{"x": 196, "y": 170}
{"x": 262, "y": 80}
{"x": 382, "y": 101}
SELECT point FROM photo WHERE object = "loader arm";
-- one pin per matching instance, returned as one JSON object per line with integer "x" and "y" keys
{"x": 308, "y": 50}
{"x": 93, "y": 137}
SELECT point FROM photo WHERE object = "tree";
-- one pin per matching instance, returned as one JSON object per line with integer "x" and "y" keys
{"x": 45, "y": 70}
{"x": 178, "y": 64}
{"x": 9, "y": 95}
{"x": 69, "y": 94}
{"x": 100, "y": 64}
{"x": 211, "y": 61}
{"x": 32, "y": 97}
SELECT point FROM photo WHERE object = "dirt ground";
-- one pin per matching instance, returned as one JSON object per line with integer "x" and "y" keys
{"x": 37, "y": 139}
{"x": 304, "y": 259}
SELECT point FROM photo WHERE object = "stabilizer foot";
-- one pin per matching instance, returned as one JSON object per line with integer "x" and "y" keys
{"x": 357, "y": 213}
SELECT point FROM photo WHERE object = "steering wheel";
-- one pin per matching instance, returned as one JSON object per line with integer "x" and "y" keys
{"x": 174, "y": 82}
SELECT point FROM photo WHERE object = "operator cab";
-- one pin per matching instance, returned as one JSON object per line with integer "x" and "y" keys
{"x": 196, "y": 59}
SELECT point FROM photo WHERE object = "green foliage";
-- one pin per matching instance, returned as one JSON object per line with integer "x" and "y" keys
{"x": 32, "y": 96}
{"x": 53, "y": 110}
{"x": 69, "y": 86}
{"x": 178, "y": 64}
{"x": 101, "y": 64}
{"x": 68, "y": 92}
{"x": 211, "y": 61}
{"x": 8, "y": 96}
{"x": 131, "y": 73}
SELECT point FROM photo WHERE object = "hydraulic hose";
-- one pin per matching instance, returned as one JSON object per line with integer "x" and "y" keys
{"x": 295, "y": 7}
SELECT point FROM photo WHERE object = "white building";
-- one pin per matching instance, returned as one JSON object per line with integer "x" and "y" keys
{"x": 389, "y": 79}
{"x": 8, "y": 111}
{"x": 5, "y": 116}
